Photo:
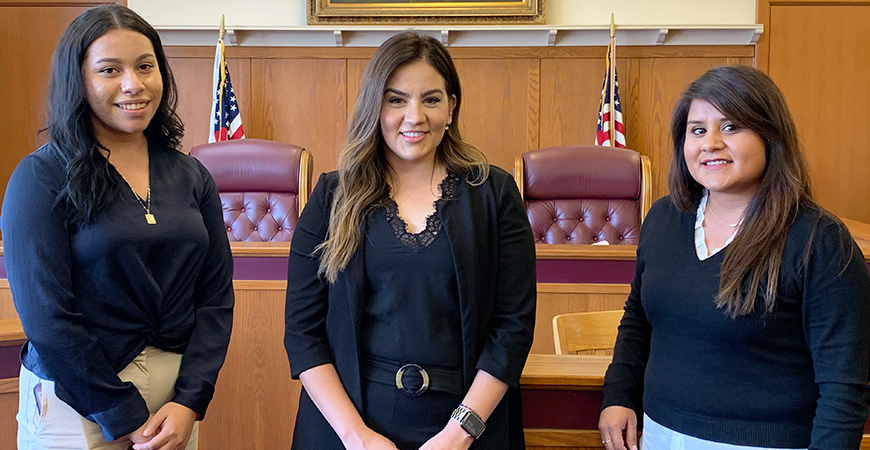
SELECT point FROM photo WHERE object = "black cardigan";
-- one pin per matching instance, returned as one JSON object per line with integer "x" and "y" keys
{"x": 494, "y": 258}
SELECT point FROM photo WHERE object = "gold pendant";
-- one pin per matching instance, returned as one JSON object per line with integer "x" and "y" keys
{"x": 150, "y": 219}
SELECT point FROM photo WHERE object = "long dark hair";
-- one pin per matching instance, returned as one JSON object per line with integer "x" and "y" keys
{"x": 751, "y": 100}
{"x": 362, "y": 164}
{"x": 89, "y": 187}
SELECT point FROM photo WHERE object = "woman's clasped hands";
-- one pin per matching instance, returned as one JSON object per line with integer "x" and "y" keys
{"x": 168, "y": 429}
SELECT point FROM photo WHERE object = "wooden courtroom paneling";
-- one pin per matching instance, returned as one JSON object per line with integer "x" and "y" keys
{"x": 7, "y": 308}
{"x": 560, "y": 298}
{"x": 8, "y": 409}
{"x": 648, "y": 90}
{"x": 255, "y": 400}
{"x": 303, "y": 102}
{"x": 26, "y": 54}
{"x": 545, "y": 439}
{"x": 818, "y": 56}
{"x": 515, "y": 99}
{"x": 193, "y": 77}
{"x": 497, "y": 107}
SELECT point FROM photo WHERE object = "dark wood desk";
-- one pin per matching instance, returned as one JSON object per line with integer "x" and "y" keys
{"x": 561, "y": 401}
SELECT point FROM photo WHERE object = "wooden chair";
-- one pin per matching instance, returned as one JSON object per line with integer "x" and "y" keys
{"x": 586, "y": 333}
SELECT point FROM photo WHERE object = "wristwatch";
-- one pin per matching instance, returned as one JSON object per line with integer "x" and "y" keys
{"x": 469, "y": 420}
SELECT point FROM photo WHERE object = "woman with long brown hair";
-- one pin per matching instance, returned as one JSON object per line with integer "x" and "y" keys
{"x": 411, "y": 283}
{"x": 746, "y": 325}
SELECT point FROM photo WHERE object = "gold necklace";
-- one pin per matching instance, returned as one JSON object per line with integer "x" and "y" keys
{"x": 146, "y": 205}
{"x": 720, "y": 220}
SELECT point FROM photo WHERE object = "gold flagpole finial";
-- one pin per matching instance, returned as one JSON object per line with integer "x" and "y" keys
{"x": 612, "y": 27}
{"x": 223, "y": 30}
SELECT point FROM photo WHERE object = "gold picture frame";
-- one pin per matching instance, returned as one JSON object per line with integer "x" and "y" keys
{"x": 431, "y": 12}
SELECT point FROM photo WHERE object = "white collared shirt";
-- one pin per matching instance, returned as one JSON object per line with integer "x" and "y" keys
{"x": 700, "y": 238}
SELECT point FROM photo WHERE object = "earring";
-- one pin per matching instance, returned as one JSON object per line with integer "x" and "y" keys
{"x": 446, "y": 127}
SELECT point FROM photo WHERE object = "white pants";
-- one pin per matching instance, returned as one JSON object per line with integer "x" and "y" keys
{"x": 46, "y": 422}
{"x": 658, "y": 437}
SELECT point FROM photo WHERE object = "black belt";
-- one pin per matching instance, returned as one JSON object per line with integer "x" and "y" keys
{"x": 412, "y": 378}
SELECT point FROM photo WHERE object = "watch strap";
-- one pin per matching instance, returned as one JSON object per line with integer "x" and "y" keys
{"x": 469, "y": 420}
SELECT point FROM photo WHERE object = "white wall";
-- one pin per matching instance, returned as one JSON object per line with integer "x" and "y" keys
{"x": 280, "y": 13}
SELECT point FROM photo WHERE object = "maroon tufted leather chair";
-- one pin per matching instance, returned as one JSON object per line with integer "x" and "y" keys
{"x": 263, "y": 186}
{"x": 584, "y": 194}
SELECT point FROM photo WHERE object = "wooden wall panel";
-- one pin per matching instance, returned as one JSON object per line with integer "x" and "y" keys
{"x": 8, "y": 410}
{"x": 818, "y": 56}
{"x": 355, "y": 69}
{"x": 7, "y": 308}
{"x": 26, "y": 54}
{"x": 194, "y": 79}
{"x": 570, "y": 94}
{"x": 495, "y": 106}
{"x": 255, "y": 400}
{"x": 651, "y": 88}
{"x": 303, "y": 102}
{"x": 557, "y": 298}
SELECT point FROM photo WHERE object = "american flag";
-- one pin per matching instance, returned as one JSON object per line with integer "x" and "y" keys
{"x": 226, "y": 121}
{"x": 602, "y": 133}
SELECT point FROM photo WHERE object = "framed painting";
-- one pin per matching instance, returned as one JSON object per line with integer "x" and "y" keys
{"x": 429, "y": 12}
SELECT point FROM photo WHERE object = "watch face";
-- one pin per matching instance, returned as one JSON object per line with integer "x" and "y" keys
{"x": 473, "y": 425}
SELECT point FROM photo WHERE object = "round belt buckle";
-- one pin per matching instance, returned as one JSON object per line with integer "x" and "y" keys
{"x": 401, "y": 372}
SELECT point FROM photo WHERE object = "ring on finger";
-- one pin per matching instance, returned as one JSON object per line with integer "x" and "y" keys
{"x": 607, "y": 441}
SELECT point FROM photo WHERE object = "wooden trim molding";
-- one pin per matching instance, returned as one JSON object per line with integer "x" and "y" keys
{"x": 640, "y": 51}
{"x": 457, "y": 36}
{"x": 260, "y": 285}
{"x": 306, "y": 171}
{"x": 586, "y": 252}
{"x": 583, "y": 288}
{"x": 11, "y": 333}
{"x": 519, "y": 176}
{"x": 645, "y": 186}
{"x": 551, "y": 437}
{"x": 260, "y": 249}
{"x": 8, "y": 385}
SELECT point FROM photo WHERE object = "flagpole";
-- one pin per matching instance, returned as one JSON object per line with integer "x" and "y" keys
{"x": 223, "y": 72}
{"x": 612, "y": 64}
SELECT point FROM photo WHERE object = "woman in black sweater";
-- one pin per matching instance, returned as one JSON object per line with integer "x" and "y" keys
{"x": 746, "y": 325}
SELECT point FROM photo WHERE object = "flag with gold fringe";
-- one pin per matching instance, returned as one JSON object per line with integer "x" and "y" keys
{"x": 610, "y": 131}
{"x": 226, "y": 120}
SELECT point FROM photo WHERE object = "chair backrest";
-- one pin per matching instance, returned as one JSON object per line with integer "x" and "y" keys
{"x": 590, "y": 333}
{"x": 263, "y": 186}
{"x": 580, "y": 194}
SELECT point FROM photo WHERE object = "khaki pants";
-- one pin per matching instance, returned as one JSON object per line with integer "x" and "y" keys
{"x": 47, "y": 423}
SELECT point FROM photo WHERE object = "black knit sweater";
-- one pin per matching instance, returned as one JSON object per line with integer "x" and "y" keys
{"x": 796, "y": 377}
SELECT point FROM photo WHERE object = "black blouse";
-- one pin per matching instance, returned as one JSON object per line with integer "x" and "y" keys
{"x": 411, "y": 314}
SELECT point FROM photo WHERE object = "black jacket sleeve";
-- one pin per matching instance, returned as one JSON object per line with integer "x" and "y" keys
{"x": 307, "y": 296}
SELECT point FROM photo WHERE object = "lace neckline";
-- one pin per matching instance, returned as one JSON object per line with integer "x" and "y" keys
{"x": 448, "y": 187}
